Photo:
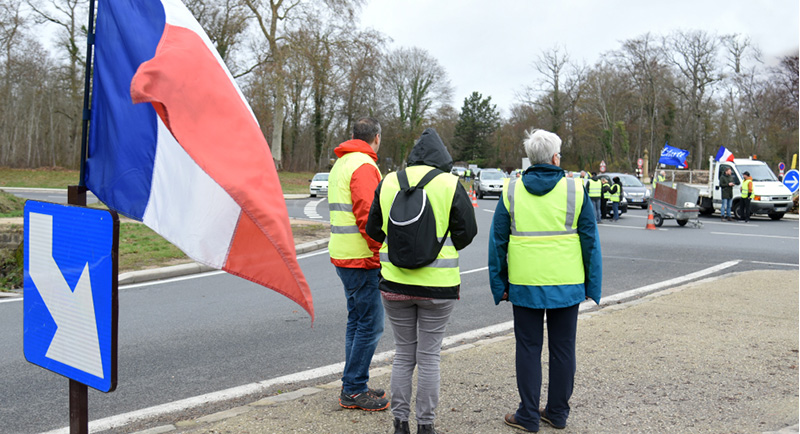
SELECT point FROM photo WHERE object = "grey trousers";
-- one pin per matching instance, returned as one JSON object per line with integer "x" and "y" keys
{"x": 418, "y": 327}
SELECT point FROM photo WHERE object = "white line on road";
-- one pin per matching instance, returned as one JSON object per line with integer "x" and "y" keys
{"x": 310, "y": 209}
{"x": 336, "y": 368}
{"x": 754, "y": 235}
{"x": 776, "y": 263}
{"x": 616, "y": 225}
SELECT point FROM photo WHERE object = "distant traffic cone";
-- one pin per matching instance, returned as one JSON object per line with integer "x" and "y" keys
{"x": 650, "y": 222}
{"x": 474, "y": 199}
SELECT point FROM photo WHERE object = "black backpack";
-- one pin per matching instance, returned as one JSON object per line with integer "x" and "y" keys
{"x": 411, "y": 231}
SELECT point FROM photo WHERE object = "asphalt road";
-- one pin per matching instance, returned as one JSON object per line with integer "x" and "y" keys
{"x": 184, "y": 338}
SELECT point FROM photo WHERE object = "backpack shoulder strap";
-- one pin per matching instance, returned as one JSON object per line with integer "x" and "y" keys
{"x": 433, "y": 173}
{"x": 402, "y": 178}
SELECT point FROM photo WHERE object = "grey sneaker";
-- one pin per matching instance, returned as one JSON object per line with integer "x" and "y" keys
{"x": 363, "y": 401}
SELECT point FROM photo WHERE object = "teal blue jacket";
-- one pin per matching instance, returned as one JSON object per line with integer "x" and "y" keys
{"x": 539, "y": 180}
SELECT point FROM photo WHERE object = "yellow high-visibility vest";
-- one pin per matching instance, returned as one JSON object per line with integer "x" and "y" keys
{"x": 444, "y": 271}
{"x": 346, "y": 240}
{"x": 544, "y": 247}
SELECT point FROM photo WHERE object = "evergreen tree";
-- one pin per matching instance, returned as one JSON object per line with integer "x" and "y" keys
{"x": 475, "y": 129}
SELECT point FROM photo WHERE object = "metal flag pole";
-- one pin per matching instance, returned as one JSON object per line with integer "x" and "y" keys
{"x": 78, "y": 192}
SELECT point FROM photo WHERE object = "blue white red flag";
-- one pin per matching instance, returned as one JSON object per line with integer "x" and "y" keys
{"x": 724, "y": 154}
{"x": 673, "y": 156}
{"x": 174, "y": 144}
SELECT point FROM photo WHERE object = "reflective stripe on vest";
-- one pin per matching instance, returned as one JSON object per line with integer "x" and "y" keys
{"x": 595, "y": 188}
{"x": 444, "y": 271}
{"x": 346, "y": 240}
{"x": 544, "y": 246}
{"x": 746, "y": 193}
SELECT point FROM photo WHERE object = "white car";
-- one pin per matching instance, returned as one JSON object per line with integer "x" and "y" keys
{"x": 319, "y": 184}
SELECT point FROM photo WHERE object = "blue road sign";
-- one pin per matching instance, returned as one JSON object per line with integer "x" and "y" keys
{"x": 792, "y": 180}
{"x": 70, "y": 295}
{"x": 781, "y": 166}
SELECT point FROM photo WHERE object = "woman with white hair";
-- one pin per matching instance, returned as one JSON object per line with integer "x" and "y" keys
{"x": 544, "y": 257}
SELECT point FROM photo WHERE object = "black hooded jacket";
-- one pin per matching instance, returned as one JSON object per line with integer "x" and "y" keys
{"x": 429, "y": 151}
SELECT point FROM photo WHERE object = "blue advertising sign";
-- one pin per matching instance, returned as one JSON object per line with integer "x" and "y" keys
{"x": 792, "y": 180}
{"x": 70, "y": 292}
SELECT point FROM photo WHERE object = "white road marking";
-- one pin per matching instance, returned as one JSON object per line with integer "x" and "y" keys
{"x": 754, "y": 235}
{"x": 776, "y": 263}
{"x": 310, "y": 209}
{"x": 336, "y": 368}
{"x": 617, "y": 225}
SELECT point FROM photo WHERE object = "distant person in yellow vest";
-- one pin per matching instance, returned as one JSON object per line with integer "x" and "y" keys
{"x": 595, "y": 189}
{"x": 747, "y": 196}
{"x": 419, "y": 301}
{"x": 351, "y": 188}
{"x": 662, "y": 176}
{"x": 544, "y": 257}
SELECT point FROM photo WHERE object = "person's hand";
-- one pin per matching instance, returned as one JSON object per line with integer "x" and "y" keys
{"x": 505, "y": 296}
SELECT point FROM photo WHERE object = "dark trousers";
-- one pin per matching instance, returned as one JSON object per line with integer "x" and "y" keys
{"x": 745, "y": 204}
{"x": 529, "y": 331}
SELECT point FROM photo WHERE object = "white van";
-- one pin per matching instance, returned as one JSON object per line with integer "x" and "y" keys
{"x": 770, "y": 196}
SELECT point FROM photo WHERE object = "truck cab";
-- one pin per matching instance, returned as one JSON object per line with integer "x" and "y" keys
{"x": 770, "y": 196}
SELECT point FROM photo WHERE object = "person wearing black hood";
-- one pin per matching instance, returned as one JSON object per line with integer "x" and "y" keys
{"x": 419, "y": 301}
{"x": 544, "y": 257}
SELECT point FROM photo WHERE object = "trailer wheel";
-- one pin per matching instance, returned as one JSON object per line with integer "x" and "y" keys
{"x": 682, "y": 222}
{"x": 658, "y": 220}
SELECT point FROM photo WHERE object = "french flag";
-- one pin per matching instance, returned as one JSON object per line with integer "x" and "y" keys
{"x": 724, "y": 154}
{"x": 174, "y": 144}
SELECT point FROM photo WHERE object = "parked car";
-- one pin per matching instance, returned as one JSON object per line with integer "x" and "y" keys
{"x": 605, "y": 207}
{"x": 489, "y": 182}
{"x": 319, "y": 184}
{"x": 634, "y": 191}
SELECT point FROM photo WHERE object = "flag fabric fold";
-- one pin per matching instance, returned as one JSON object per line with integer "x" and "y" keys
{"x": 673, "y": 156}
{"x": 724, "y": 154}
{"x": 174, "y": 144}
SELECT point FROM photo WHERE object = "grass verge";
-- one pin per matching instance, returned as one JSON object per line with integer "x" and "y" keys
{"x": 291, "y": 182}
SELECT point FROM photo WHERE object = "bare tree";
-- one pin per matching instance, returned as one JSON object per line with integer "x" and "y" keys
{"x": 694, "y": 54}
{"x": 418, "y": 84}
{"x": 224, "y": 21}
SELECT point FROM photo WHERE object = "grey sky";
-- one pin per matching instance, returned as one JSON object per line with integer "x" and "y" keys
{"x": 490, "y": 46}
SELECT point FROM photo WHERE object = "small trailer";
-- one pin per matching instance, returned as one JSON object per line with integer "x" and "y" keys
{"x": 675, "y": 201}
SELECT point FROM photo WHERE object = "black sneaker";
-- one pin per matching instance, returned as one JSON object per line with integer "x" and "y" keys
{"x": 363, "y": 401}
{"x": 378, "y": 393}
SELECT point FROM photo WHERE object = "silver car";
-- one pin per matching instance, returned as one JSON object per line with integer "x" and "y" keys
{"x": 634, "y": 191}
{"x": 489, "y": 182}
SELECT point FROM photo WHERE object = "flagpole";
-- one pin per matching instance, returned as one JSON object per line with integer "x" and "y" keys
{"x": 86, "y": 91}
{"x": 76, "y": 195}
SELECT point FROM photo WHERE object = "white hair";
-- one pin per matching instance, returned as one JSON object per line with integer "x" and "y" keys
{"x": 541, "y": 145}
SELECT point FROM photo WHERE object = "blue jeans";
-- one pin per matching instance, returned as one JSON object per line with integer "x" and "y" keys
{"x": 615, "y": 208}
{"x": 364, "y": 325}
{"x": 725, "y": 210}
{"x": 562, "y": 327}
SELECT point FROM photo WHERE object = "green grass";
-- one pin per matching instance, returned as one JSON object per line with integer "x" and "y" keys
{"x": 295, "y": 182}
{"x": 10, "y": 205}
{"x": 140, "y": 248}
{"x": 291, "y": 182}
{"x": 38, "y": 178}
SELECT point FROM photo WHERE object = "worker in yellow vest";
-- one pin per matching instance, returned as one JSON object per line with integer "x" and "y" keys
{"x": 419, "y": 301}
{"x": 747, "y": 196}
{"x": 351, "y": 187}
{"x": 661, "y": 177}
{"x": 544, "y": 257}
{"x": 595, "y": 189}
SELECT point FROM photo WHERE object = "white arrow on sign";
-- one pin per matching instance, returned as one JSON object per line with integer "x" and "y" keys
{"x": 792, "y": 183}
{"x": 75, "y": 342}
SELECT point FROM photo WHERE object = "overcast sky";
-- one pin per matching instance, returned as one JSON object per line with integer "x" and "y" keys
{"x": 489, "y": 46}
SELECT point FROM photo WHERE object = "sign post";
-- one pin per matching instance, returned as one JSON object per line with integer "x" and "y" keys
{"x": 70, "y": 306}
